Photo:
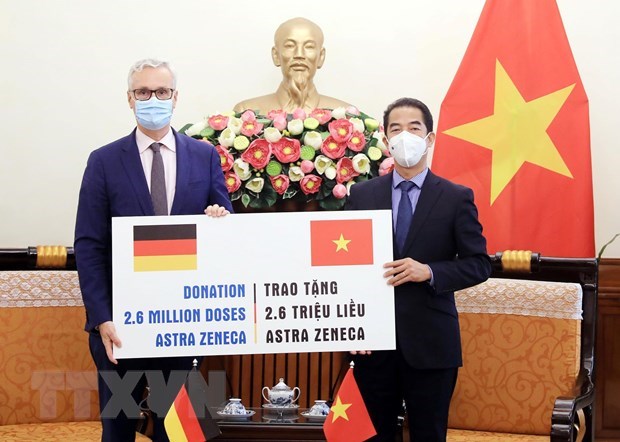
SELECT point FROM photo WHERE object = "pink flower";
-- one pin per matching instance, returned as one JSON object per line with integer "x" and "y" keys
{"x": 248, "y": 115}
{"x": 341, "y": 130}
{"x": 286, "y": 150}
{"x": 257, "y": 154}
{"x": 299, "y": 114}
{"x": 345, "y": 171}
{"x": 357, "y": 142}
{"x": 322, "y": 115}
{"x": 232, "y": 181}
{"x": 386, "y": 166}
{"x": 279, "y": 183}
{"x": 273, "y": 114}
{"x": 353, "y": 110}
{"x": 307, "y": 166}
{"x": 339, "y": 191}
{"x": 332, "y": 149}
{"x": 226, "y": 159}
{"x": 280, "y": 123}
{"x": 218, "y": 122}
{"x": 310, "y": 184}
{"x": 250, "y": 128}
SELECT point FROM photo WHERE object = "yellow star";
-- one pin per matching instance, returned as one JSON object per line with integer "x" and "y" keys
{"x": 516, "y": 132}
{"x": 341, "y": 243}
{"x": 339, "y": 410}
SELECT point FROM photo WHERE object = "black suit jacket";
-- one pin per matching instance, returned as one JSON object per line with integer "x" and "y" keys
{"x": 445, "y": 234}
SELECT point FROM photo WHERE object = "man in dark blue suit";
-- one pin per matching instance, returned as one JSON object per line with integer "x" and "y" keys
{"x": 152, "y": 171}
{"x": 438, "y": 248}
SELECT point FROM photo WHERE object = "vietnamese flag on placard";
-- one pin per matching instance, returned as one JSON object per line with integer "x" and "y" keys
{"x": 348, "y": 419}
{"x": 341, "y": 242}
{"x": 514, "y": 127}
{"x": 164, "y": 247}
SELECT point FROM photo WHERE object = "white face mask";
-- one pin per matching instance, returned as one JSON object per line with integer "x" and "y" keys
{"x": 407, "y": 148}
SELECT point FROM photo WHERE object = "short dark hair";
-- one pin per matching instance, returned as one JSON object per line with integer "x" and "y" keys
{"x": 409, "y": 102}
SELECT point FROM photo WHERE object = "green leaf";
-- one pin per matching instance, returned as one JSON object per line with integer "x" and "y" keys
{"x": 332, "y": 203}
{"x": 600, "y": 254}
{"x": 245, "y": 199}
{"x": 184, "y": 128}
{"x": 207, "y": 132}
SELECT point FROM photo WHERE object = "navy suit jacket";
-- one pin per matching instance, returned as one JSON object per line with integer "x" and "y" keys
{"x": 114, "y": 185}
{"x": 446, "y": 235}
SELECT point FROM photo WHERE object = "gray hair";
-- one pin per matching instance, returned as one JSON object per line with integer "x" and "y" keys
{"x": 138, "y": 66}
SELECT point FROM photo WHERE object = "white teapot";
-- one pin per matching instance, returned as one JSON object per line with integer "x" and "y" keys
{"x": 281, "y": 395}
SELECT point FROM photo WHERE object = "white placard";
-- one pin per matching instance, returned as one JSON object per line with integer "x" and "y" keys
{"x": 252, "y": 283}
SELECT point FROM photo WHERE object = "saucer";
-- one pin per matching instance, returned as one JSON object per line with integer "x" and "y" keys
{"x": 313, "y": 417}
{"x": 248, "y": 414}
{"x": 281, "y": 408}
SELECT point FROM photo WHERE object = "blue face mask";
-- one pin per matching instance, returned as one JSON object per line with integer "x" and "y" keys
{"x": 153, "y": 114}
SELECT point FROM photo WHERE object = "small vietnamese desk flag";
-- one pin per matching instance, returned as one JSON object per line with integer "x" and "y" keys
{"x": 188, "y": 419}
{"x": 348, "y": 419}
{"x": 514, "y": 127}
{"x": 341, "y": 242}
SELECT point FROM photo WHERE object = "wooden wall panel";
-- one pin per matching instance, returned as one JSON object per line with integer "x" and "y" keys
{"x": 607, "y": 369}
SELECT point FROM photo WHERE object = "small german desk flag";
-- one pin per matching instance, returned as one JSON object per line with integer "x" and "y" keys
{"x": 164, "y": 247}
{"x": 348, "y": 419}
{"x": 188, "y": 419}
{"x": 341, "y": 242}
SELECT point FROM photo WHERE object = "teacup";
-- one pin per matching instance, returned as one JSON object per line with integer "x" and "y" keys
{"x": 320, "y": 408}
{"x": 234, "y": 407}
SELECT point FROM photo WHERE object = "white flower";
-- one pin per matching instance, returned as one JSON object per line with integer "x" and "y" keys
{"x": 235, "y": 125}
{"x": 228, "y": 113}
{"x": 339, "y": 112}
{"x": 321, "y": 162}
{"x": 255, "y": 184}
{"x": 358, "y": 124}
{"x": 361, "y": 163}
{"x": 227, "y": 137}
{"x": 349, "y": 185}
{"x": 330, "y": 173}
{"x": 242, "y": 169}
{"x": 379, "y": 136}
{"x": 272, "y": 134}
{"x": 196, "y": 128}
{"x": 295, "y": 127}
{"x": 314, "y": 139}
{"x": 295, "y": 173}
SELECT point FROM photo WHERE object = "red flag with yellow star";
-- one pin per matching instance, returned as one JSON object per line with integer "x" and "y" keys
{"x": 341, "y": 242}
{"x": 348, "y": 419}
{"x": 514, "y": 127}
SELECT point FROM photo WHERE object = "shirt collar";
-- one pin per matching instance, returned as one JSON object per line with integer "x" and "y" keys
{"x": 144, "y": 141}
{"x": 418, "y": 180}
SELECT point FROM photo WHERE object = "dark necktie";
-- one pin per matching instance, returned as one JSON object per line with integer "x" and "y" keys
{"x": 405, "y": 214}
{"x": 158, "y": 182}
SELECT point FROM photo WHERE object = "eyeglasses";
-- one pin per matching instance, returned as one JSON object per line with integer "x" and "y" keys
{"x": 163, "y": 93}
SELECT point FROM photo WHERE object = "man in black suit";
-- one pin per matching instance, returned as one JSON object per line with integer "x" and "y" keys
{"x": 438, "y": 248}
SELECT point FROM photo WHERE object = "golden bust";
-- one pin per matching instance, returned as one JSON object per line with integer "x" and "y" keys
{"x": 298, "y": 51}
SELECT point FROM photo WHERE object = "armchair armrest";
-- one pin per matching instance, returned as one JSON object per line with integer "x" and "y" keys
{"x": 571, "y": 415}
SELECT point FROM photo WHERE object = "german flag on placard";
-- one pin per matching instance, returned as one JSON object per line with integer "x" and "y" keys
{"x": 188, "y": 419}
{"x": 341, "y": 242}
{"x": 165, "y": 247}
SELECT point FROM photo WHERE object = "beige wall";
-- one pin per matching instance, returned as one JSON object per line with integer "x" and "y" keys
{"x": 64, "y": 64}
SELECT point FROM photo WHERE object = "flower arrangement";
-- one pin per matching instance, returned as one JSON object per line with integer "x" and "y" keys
{"x": 280, "y": 156}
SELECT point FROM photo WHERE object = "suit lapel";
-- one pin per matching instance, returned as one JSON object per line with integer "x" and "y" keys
{"x": 130, "y": 158}
{"x": 383, "y": 193}
{"x": 429, "y": 195}
{"x": 183, "y": 168}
